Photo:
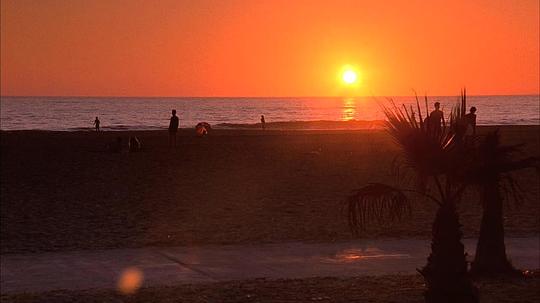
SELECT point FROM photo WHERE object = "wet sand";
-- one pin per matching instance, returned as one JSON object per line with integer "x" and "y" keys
{"x": 63, "y": 191}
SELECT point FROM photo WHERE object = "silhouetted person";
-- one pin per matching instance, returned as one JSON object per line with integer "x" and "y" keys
{"x": 462, "y": 127}
{"x": 436, "y": 118}
{"x": 96, "y": 123}
{"x": 134, "y": 144}
{"x": 263, "y": 122}
{"x": 173, "y": 128}
{"x": 470, "y": 120}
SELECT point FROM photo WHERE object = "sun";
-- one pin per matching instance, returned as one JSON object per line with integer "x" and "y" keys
{"x": 349, "y": 76}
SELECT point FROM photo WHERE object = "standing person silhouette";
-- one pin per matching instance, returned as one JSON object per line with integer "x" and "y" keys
{"x": 463, "y": 130}
{"x": 263, "y": 122}
{"x": 96, "y": 123}
{"x": 436, "y": 118}
{"x": 173, "y": 128}
{"x": 470, "y": 119}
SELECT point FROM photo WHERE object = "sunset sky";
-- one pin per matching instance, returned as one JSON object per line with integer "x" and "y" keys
{"x": 268, "y": 48}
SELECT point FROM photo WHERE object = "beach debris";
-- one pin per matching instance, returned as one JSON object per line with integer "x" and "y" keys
{"x": 134, "y": 144}
{"x": 322, "y": 298}
{"x": 116, "y": 146}
{"x": 314, "y": 153}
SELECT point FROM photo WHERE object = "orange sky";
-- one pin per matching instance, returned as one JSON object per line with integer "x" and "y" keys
{"x": 268, "y": 48}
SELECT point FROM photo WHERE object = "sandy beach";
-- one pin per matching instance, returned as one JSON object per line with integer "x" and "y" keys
{"x": 382, "y": 289}
{"x": 63, "y": 190}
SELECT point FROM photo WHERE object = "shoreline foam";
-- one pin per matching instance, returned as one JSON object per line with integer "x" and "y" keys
{"x": 277, "y": 125}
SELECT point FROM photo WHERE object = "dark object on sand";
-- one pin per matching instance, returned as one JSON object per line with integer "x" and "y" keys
{"x": 202, "y": 129}
{"x": 134, "y": 144}
{"x": 116, "y": 146}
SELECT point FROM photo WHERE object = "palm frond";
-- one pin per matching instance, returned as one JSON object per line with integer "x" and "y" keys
{"x": 376, "y": 202}
{"x": 456, "y": 123}
{"x": 494, "y": 158}
{"x": 423, "y": 150}
{"x": 434, "y": 155}
{"x": 494, "y": 163}
{"x": 406, "y": 178}
{"x": 511, "y": 190}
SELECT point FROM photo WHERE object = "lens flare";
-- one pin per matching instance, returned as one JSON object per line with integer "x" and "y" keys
{"x": 130, "y": 281}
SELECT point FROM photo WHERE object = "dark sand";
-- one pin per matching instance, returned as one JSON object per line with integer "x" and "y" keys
{"x": 396, "y": 288}
{"x": 63, "y": 191}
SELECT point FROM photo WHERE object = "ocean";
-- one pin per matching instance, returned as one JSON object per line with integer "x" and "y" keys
{"x": 78, "y": 113}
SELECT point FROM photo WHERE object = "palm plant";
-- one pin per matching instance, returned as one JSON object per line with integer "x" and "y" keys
{"x": 491, "y": 174}
{"x": 436, "y": 159}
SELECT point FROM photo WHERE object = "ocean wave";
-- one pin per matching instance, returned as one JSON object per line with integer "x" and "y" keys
{"x": 320, "y": 124}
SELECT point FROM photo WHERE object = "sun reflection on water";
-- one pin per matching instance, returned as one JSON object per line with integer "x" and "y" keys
{"x": 349, "y": 109}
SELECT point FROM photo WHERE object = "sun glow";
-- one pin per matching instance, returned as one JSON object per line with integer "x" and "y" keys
{"x": 349, "y": 76}
{"x": 349, "y": 80}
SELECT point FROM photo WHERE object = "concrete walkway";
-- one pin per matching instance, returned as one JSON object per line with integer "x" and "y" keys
{"x": 170, "y": 266}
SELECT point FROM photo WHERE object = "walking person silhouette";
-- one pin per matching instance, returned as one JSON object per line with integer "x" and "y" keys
{"x": 436, "y": 118}
{"x": 466, "y": 127}
{"x": 263, "y": 122}
{"x": 96, "y": 123}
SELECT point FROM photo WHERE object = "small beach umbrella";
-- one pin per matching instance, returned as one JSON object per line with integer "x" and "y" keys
{"x": 204, "y": 124}
{"x": 202, "y": 128}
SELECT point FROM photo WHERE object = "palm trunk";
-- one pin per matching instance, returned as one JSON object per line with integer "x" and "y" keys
{"x": 445, "y": 273}
{"x": 490, "y": 255}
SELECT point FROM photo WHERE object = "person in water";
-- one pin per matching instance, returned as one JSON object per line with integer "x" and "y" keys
{"x": 173, "y": 128}
{"x": 263, "y": 122}
{"x": 96, "y": 123}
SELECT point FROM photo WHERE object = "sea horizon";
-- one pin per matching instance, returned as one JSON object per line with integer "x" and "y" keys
{"x": 68, "y": 113}
{"x": 262, "y": 97}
